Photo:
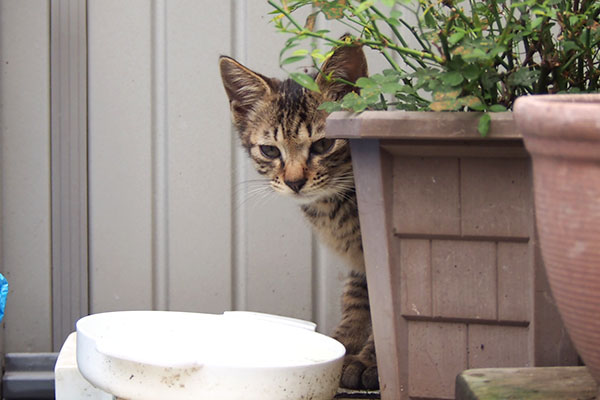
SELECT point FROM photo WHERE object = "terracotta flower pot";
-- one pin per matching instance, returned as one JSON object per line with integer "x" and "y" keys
{"x": 562, "y": 133}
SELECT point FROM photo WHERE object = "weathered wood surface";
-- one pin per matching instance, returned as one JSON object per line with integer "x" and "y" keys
{"x": 550, "y": 383}
{"x": 452, "y": 258}
{"x": 419, "y": 125}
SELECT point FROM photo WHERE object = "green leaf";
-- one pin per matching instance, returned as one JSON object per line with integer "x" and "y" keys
{"x": 497, "y": 108}
{"x": 489, "y": 79}
{"x": 354, "y": 102}
{"x": 456, "y": 37}
{"x": 393, "y": 21}
{"x": 536, "y": 22}
{"x": 363, "y": 6}
{"x": 474, "y": 53}
{"x": 523, "y": 77}
{"x": 300, "y": 52}
{"x": 484, "y": 124}
{"x": 317, "y": 55}
{"x": 472, "y": 102}
{"x": 471, "y": 72}
{"x": 478, "y": 106}
{"x": 395, "y": 14}
{"x": 391, "y": 87}
{"x": 574, "y": 19}
{"x": 365, "y": 82}
{"x": 330, "y": 106}
{"x": 452, "y": 78}
{"x": 370, "y": 95}
{"x": 497, "y": 50}
{"x": 292, "y": 59}
{"x": 445, "y": 105}
{"x": 390, "y": 72}
{"x": 305, "y": 80}
{"x": 569, "y": 45}
{"x": 446, "y": 100}
{"x": 429, "y": 20}
{"x": 332, "y": 10}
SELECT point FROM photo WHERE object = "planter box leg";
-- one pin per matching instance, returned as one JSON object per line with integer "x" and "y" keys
{"x": 391, "y": 333}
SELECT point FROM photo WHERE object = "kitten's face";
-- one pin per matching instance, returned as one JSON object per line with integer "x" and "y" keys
{"x": 284, "y": 132}
{"x": 285, "y": 137}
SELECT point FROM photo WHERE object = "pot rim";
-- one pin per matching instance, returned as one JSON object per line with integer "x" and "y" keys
{"x": 579, "y": 98}
{"x": 568, "y": 117}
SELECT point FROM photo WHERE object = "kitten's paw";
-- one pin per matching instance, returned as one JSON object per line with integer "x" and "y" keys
{"x": 370, "y": 378}
{"x": 359, "y": 374}
{"x": 352, "y": 373}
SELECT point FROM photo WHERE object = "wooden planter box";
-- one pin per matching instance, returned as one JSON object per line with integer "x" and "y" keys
{"x": 455, "y": 274}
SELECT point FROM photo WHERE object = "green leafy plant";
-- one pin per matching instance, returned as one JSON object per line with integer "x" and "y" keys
{"x": 466, "y": 55}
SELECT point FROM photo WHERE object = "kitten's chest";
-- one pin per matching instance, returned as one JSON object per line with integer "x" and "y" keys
{"x": 337, "y": 225}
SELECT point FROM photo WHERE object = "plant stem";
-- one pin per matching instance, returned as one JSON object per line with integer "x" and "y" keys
{"x": 444, "y": 41}
{"x": 384, "y": 39}
{"x": 306, "y": 32}
{"x": 405, "y": 50}
{"x": 400, "y": 38}
{"x": 287, "y": 14}
{"x": 415, "y": 35}
{"x": 391, "y": 60}
{"x": 494, "y": 9}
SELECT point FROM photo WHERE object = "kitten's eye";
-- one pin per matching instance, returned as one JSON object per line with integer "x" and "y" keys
{"x": 321, "y": 146}
{"x": 270, "y": 151}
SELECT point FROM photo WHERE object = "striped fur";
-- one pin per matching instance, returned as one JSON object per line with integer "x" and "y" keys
{"x": 284, "y": 134}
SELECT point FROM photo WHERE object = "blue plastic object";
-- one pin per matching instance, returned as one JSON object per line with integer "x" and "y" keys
{"x": 3, "y": 294}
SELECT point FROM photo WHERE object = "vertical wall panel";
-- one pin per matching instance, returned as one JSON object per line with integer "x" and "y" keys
{"x": 199, "y": 158}
{"x": 279, "y": 240}
{"x": 68, "y": 75}
{"x": 332, "y": 271}
{"x": 120, "y": 154}
{"x": 25, "y": 173}
{"x": 286, "y": 270}
{"x": 239, "y": 172}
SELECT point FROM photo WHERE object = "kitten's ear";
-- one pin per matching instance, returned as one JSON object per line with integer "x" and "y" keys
{"x": 348, "y": 63}
{"x": 243, "y": 86}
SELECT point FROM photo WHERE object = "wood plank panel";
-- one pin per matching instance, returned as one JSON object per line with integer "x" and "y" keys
{"x": 496, "y": 197}
{"x": 515, "y": 275}
{"x": 426, "y": 196}
{"x": 464, "y": 279}
{"x": 415, "y": 277}
{"x": 498, "y": 346}
{"x": 437, "y": 353}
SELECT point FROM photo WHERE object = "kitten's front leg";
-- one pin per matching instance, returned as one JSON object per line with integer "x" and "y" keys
{"x": 360, "y": 370}
{"x": 356, "y": 334}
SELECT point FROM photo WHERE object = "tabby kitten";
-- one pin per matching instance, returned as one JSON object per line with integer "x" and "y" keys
{"x": 284, "y": 133}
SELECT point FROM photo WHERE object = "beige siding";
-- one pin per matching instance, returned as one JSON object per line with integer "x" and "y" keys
{"x": 199, "y": 158}
{"x": 120, "y": 154}
{"x": 220, "y": 246}
{"x": 227, "y": 249}
{"x": 25, "y": 173}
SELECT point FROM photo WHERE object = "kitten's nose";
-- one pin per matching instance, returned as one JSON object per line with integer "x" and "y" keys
{"x": 296, "y": 185}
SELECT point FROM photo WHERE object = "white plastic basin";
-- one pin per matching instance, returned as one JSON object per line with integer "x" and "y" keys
{"x": 148, "y": 355}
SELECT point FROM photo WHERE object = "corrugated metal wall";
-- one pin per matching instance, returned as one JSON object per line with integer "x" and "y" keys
{"x": 168, "y": 188}
{"x": 173, "y": 222}
{"x": 25, "y": 173}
